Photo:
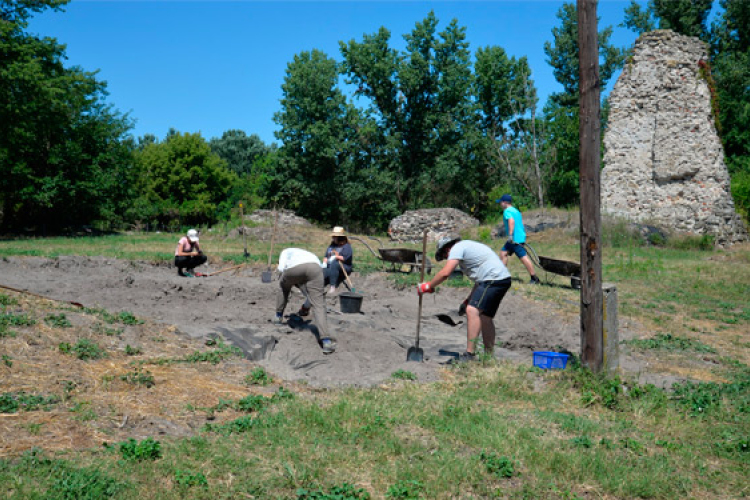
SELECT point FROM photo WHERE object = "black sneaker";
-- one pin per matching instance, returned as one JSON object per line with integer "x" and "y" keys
{"x": 534, "y": 280}
{"x": 464, "y": 358}
{"x": 303, "y": 311}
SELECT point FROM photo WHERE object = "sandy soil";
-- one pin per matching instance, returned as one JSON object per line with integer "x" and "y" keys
{"x": 371, "y": 345}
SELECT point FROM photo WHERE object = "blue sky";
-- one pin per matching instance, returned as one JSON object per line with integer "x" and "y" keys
{"x": 204, "y": 66}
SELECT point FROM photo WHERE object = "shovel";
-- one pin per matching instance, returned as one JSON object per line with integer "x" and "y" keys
{"x": 346, "y": 276}
{"x": 244, "y": 232}
{"x": 266, "y": 275}
{"x": 415, "y": 353}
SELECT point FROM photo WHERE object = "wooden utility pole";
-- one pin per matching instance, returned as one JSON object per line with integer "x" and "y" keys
{"x": 592, "y": 326}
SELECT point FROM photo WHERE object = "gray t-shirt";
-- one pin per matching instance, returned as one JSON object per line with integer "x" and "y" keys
{"x": 479, "y": 262}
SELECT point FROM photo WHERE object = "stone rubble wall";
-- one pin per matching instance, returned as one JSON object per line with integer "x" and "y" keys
{"x": 664, "y": 162}
{"x": 409, "y": 226}
{"x": 286, "y": 218}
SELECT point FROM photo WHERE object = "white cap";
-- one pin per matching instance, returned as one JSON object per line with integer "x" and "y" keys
{"x": 192, "y": 235}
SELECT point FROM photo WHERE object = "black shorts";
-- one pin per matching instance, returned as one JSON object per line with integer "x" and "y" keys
{"x": 488, "y": 295}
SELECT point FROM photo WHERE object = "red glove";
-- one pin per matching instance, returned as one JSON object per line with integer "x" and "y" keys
{"x": 424, "y": 288}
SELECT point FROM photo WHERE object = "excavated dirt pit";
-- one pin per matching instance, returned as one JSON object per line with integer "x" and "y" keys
{"x": 372, "y": 345}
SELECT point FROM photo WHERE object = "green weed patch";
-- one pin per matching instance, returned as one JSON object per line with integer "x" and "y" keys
{"x": 403, "y": 375}
{"x": 83, "y": 484}
{"x": 189, "y": 479}
{"x": 669, "y": 342}
{"x": 58, "y": 321}
{"x": 84, "y": 349}
{"x": 343, "y": 492}
{"x": 13, "y": 319}
{"x": 12, "y": 402}
{"x": 139, "y": 377}
{"x": 215, "y": 356}
{"x": 6, "y": 300}
{"x": 137, "y": 451}
{"x": 705, "y": 398}
{"x": 122, "y": 317}
{"x": 408, "y": 489}
{"x": 497, "y": 465}
{"x": 258, "y": 376}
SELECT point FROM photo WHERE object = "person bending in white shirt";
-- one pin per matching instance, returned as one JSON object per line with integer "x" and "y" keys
{"x": 302, "y": 269}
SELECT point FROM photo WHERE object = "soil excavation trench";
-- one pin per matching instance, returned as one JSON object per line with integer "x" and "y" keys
{"x": 239, "y": 307}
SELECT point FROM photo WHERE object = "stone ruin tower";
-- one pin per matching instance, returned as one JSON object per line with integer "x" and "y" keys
{"x": 664, "y": 162}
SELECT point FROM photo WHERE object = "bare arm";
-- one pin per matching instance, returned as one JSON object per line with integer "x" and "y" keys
{"x": 444, "y": 273}
{"x": 182, "y": 253}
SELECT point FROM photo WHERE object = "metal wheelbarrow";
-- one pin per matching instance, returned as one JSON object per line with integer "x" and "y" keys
{"x": 563, "y": 268}
{"x": 555, "y": 266}
{"x": 399, "y": 258}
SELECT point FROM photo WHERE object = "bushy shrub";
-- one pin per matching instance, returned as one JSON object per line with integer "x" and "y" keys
{"x": 741, "y": 193}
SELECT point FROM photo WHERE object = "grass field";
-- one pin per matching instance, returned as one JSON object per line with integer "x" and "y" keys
{"x": 490, "y": 430}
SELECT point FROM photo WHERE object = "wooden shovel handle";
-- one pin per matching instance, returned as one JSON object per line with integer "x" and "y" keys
{"x": 226, "y": 269}
{"x": 421, "y": 279}
{"x": 273, "y": 234}
{"x": 343, "y": 270}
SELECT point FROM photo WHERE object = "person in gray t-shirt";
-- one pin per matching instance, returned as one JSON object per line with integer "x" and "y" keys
{"x": 491, "y": 281}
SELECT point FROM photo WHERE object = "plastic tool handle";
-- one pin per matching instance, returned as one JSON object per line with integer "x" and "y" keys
{"x": 421, "y": 279}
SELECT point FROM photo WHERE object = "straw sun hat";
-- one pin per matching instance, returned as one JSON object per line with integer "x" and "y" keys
{"x": 338, "y": 231}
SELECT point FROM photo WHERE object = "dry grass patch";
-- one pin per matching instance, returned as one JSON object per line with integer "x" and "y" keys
{"x": 117, "y": 396}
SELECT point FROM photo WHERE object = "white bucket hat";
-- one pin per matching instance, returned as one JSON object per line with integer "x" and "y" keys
{"x": 192, "y": 235}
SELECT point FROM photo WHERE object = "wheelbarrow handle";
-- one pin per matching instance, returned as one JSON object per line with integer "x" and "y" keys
{"x": 365, "y": 244}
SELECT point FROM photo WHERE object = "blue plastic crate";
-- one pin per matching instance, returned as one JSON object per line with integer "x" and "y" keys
{"x": 550, "y": 360}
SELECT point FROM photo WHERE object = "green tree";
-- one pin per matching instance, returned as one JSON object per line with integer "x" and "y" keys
{"x": 638, "y": 19}
{"x": 518, "y": 155}
{"x": 562, "y": 108}
{"x": 731, "y": 71}
{"x": 422, "y": 102}
{"x": 688, "y": 17}
{"x": 315, "y": 121}
{"x": 180, "y": 181}
{"x": 240, "y": 150}
{"x": 64, "y": 153}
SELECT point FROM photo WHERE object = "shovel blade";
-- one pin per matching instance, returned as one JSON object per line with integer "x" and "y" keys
{"x": 415, "y": 354}
{"x": 266, "y": 276}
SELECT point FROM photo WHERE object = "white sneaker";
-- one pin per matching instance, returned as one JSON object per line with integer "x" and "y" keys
{"x": 329, "y": 345}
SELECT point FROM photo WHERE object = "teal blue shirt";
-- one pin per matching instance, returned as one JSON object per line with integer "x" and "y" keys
{"x": 519, "y": 234}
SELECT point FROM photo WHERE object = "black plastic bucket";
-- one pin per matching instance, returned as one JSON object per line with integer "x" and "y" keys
{"x": 350, "y": 302}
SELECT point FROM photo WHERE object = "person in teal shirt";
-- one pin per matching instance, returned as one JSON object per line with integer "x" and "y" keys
{"x": 516, "y": 236}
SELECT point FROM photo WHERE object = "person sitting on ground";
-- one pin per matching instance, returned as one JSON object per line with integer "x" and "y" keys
{"x": 338, "y": 254}
{"x": 339, "y": 251}
{"x": 516, "y": 236}
{"x": 491, "y": 281}
{"x": 189, "y": 255}
{"x": 302, "y": 269}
